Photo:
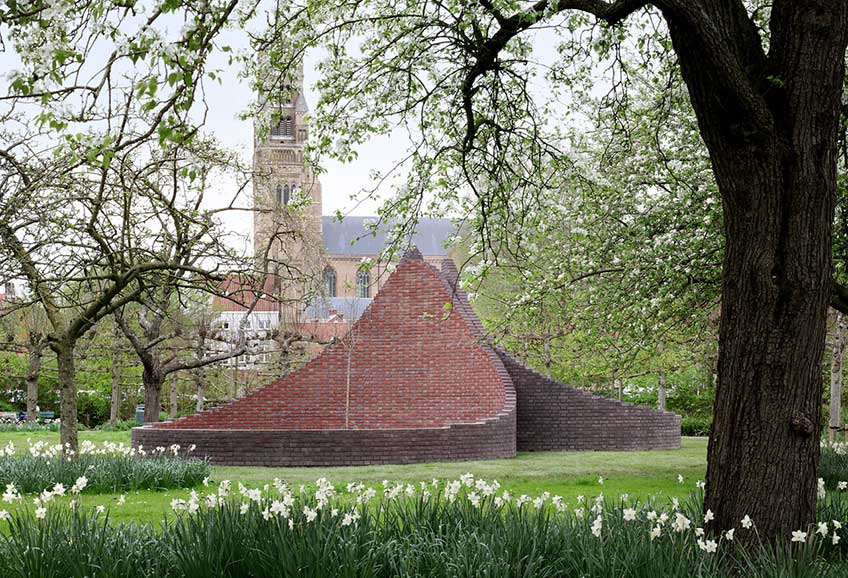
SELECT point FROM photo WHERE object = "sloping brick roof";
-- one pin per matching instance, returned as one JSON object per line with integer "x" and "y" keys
{"x": 413, "y": 363}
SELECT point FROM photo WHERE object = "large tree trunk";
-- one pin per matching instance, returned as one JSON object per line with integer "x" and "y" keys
{"x": 68, "y": 436}
{"x": 837, "y": 356}
{"x": 771, "y": 132}
{"x": 152, "y": 377}
{"x": 35, "y": 354}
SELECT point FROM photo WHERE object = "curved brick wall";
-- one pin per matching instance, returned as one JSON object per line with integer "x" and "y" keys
{"x": 552, "y": 416}
{"x": 424, "y": 386}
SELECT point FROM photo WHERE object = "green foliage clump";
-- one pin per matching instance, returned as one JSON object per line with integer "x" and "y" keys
{"x": 93, "y": 408}
{"x": 120, "y": 425}
{"x": 695, "y": 425}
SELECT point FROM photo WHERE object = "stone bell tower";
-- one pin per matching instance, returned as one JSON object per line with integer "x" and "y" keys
{"x": 287, "y": 195}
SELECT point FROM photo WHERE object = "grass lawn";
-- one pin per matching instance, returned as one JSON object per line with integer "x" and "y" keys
{"x": 568, "y": 474}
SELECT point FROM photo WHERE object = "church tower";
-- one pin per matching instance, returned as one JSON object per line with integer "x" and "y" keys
{"x": 287, "y": 195}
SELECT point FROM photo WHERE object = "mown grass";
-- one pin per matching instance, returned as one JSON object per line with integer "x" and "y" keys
{"x": 569, "y": 474}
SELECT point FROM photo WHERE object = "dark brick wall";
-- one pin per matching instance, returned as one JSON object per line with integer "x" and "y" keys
{"x": 552, "y": 416}
{"x": 494, "y": 438}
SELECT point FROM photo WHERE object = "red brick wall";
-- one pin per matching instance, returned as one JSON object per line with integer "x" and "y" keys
{"x": 411, "y": 366}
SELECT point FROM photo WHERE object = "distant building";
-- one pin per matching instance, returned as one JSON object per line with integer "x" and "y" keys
{"x": 335, "y": 262}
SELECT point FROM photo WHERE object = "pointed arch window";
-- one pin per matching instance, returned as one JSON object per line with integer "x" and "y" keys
{"x": 329, "y": 282}
{"x": 284, "y": 194}
{"x": 363, "y": 283}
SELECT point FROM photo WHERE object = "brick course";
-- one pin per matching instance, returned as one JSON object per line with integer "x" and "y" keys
{"x": 425, "y": 385}
{"x": 552, "y": 416}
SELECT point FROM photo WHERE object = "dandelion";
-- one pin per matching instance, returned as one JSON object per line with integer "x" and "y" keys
{"x": 747, "y": 522}
{"x": 799, "y": 536}
{"x": 41, "y": 513}
{"x": 629, "y": 515}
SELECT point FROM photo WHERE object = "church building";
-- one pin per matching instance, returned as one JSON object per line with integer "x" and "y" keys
{"x": 335, "y": 263}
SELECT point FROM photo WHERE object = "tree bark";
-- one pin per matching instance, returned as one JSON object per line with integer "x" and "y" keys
{"x": 35, "y": 354}
{"x": 770, "y": 124}
{"x": 152, "y": 378}
{"x": 837, "y": 356}
{"x": 661, "y": 385}
{"x": 115, "y": 403}
{"x": 174, "y": 399}
{"x": 201, "y": 395}
{"x": 68, "y": 435}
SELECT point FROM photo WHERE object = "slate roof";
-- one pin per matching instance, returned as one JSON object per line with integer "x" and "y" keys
{"x": 430, "y": 236}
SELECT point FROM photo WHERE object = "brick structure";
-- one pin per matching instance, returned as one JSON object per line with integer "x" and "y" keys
{"x": 554, "y": 417}
{"x": 415, "y": 380}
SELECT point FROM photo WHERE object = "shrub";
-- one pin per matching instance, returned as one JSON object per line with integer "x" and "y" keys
{"x": 93, "y": 408}
{"x": 109, "y": 468}
{"x": 120, "y": 425}
{"x": 464, "y": 528}
{"x": 695, "y": 425}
